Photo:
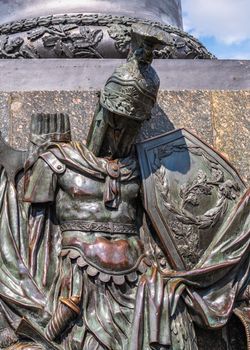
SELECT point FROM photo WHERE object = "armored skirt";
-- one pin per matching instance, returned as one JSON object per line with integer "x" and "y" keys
{"x": 121, "y": 297}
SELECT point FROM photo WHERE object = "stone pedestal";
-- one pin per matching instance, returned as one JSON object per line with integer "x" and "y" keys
{"x": 210, "y": 98}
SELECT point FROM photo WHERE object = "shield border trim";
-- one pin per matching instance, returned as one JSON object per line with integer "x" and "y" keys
{"x": 163, "y": 231}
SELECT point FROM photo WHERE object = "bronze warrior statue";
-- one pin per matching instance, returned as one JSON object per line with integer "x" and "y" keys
{"x": 112, "y": 247}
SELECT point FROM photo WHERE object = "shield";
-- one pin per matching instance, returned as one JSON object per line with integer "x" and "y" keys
{"x": 189, "y": 192}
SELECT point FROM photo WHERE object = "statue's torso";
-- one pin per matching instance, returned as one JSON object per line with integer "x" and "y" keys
{"x": 95, "y": 202}
{"x": 104, "y": 237}
{"x": 81, "y": 198}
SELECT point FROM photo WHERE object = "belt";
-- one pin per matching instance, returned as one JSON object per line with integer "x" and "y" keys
{"x": 110, "y": 227}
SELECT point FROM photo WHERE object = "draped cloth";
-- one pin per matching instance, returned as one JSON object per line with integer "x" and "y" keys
{"x": 17, "y": 285}
{"x": 20, "y": 295}
{"x": 212, "y": 287}
{"x": 30, "y": 268}
{"x": 129, "y": 317}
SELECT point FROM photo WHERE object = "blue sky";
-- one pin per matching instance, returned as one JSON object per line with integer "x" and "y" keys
{"x": 223, "y": 26}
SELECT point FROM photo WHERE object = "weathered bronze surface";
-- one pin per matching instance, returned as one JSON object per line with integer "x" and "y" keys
{"x": 192, "y": 191}
{"x": 90, "y": 29}
{"x": 86, "y": 35}
{"x": 165, "y": 11}
{"x": 117, "y": 248}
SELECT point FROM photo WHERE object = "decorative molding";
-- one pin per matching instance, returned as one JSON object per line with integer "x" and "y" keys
{"x": 87, "y": 36}
{"x": 99, "y": 227}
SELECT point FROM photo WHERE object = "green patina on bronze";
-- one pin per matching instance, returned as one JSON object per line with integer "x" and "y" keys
{"x": 111, "y": 248}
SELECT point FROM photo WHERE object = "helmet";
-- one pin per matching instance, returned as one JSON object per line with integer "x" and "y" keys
{"x": 132, "y": 89}
{"x": 131, "y": 92}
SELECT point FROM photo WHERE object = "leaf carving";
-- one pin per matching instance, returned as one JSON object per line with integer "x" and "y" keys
{"x": 191, "y": 193}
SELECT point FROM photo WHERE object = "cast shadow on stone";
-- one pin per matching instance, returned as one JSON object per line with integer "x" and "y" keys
{"x": 157, "y": 125}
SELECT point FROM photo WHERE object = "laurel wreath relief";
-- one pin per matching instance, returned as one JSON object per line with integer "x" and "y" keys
{"x": 190, "y": 194}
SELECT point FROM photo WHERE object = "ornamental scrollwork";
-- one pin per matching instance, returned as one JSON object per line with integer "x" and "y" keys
{"x": 16, "y": 48}
{"x": 122, "y": 36}
{"x": 79, "y": 35}
{"x": 68, "y": 43}
{"x": 188, "y": 240}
